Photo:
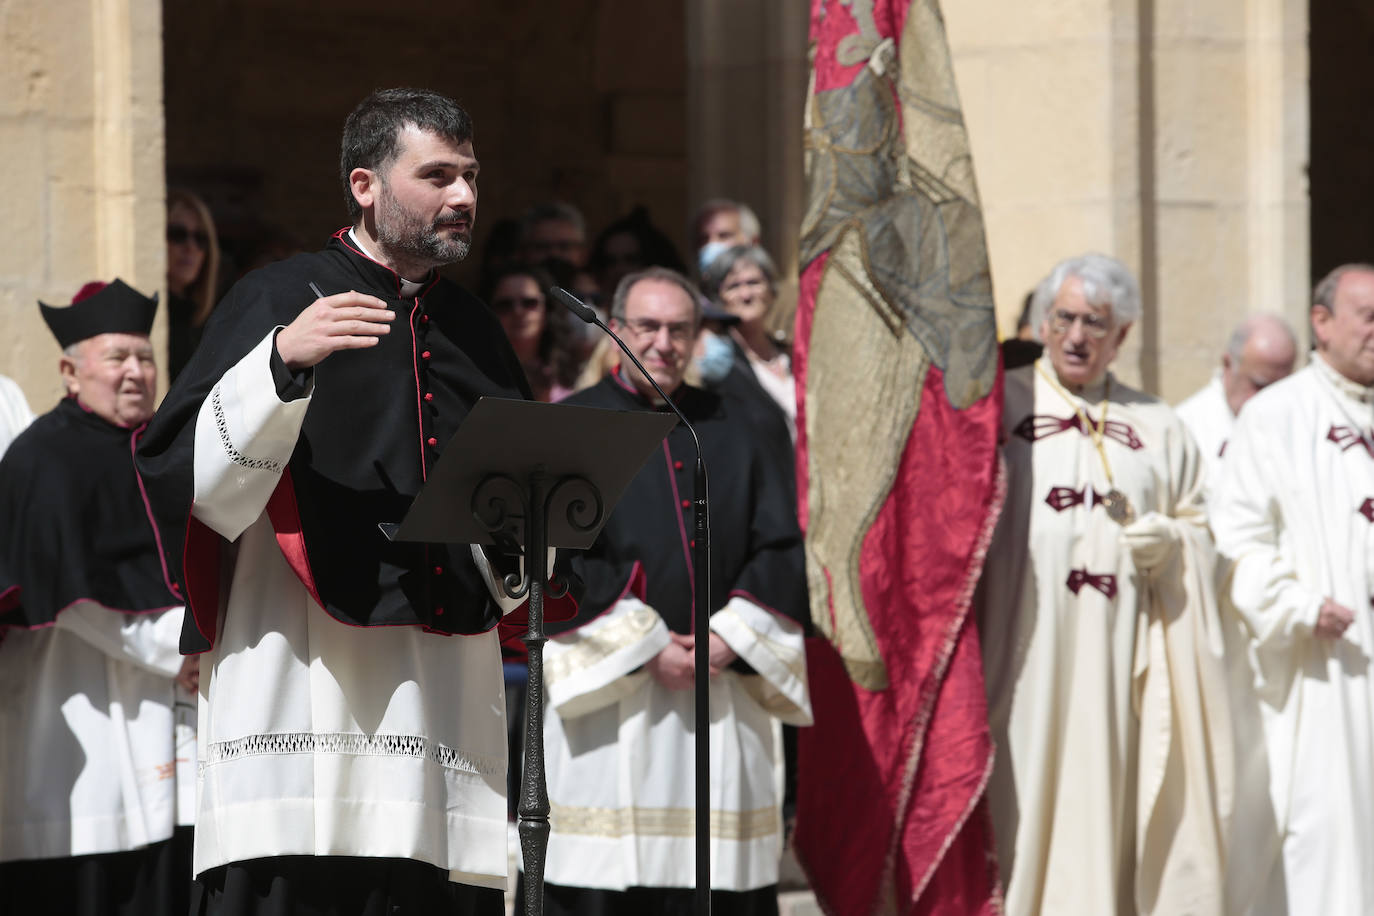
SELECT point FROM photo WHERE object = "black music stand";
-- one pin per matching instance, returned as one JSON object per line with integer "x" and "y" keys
{"x": 526, "y": 476}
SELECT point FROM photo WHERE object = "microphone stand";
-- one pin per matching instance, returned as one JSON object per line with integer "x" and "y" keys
{"x": 701, "y": 623}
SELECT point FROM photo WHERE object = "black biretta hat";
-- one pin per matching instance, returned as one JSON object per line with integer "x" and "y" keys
{"x": 101, "y": 308}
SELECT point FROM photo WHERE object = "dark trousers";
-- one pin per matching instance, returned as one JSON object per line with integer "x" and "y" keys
{"x": 561, "y": 900}
{"x": 152, "y": 881}
{"x": 338, "y": 886}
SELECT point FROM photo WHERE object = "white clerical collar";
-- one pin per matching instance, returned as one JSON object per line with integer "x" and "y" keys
{"x": 1345, "y": 386}
{"x": 409, "y": 288}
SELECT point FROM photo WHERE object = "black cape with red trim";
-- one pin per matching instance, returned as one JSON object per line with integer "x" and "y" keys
{"x": 73, "y": 522}
{"x": 645, "y": 547}
{"x": 362, "y": 454}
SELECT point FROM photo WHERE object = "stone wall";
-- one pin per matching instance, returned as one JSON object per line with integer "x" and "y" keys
{"x": 584, "y": 103}
{"x": 81, "y": 138}
{"x": 1171, "y": 133}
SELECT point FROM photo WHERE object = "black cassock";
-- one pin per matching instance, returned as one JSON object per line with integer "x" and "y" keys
{"x": 73, "y": 521}
{"x": 756, "y": 545}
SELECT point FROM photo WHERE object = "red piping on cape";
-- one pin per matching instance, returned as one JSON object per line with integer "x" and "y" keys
{"x": 148, "y": 511}
{"x": 419, "y": 401}
{"x": 682, "y": 529}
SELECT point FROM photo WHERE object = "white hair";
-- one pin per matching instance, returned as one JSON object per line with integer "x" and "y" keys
{"x": 748, "y": 221}
{"x": 1106, "y": 281}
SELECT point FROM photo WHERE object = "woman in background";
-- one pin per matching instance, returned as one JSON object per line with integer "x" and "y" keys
{"x": 743, "y": 281}
{"x": 520, "y": 298}
{"x": 192, "y": 274}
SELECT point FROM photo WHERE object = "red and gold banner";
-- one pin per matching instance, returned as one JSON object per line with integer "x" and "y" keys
{"x": 899, "y": 396}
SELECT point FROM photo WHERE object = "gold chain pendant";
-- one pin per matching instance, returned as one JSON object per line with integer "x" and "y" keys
{"x": 1118, "y": 507}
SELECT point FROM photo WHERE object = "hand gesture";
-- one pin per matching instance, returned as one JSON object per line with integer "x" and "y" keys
{"x": 344, "y": 321}
{"x": 673, "y": 666}
{"x": 1332, "y": 619}
{"x": 720, "y": 656}
{"x": 189, "y": 675}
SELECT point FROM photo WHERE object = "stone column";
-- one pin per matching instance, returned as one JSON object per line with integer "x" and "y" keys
{"x": 746, "y": 90}
{"x": 1170, "y": 133}
{"x": 81, "y": 134}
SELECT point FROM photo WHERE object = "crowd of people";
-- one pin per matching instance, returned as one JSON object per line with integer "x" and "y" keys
{"x": 1173, "y": 615}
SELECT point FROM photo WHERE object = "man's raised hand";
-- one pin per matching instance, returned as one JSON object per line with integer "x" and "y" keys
{"x": 343, "y": 321}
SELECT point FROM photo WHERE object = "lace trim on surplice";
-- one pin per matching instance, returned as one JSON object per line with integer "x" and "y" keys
{"x": 350, "y": 744}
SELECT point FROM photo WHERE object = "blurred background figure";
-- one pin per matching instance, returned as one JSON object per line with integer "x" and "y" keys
{"x": 721, "y": 223}
{"x": 1261, "y": 350}
{"x": 553, "y": 229}
{"x": 192, "y": 274}
{"x": 743, "y": 281}
{"x": 630, "y": 243}
{"x": 14, "y": 412}
{"x": 537, "y": 328}
{"x": 1025, "y": 348}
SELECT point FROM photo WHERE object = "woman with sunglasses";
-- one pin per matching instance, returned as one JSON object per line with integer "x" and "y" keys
{"x": 540, "y": 335}
{"x": 192, "y": 274}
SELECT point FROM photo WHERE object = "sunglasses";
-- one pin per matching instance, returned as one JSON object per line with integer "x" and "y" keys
{"x": 180, "y": 235}
{"x": 521, "y": 302}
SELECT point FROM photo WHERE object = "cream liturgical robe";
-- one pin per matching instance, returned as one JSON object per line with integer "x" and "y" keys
{"x": 1102, "y": 655}
{"x": 1295, "y": 514}
{"x": 621, "y": 765}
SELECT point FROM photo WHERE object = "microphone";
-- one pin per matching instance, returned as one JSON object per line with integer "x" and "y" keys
{"x": 701, "y": 624}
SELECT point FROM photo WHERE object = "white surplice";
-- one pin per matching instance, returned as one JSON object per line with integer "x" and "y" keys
{"x": 1106, "y": 694}
{"x": 87, "y": 757}
{"x": 621, "y": 763}
{"x": 319, "y": 738}
{"x": 1208, "y": 417}
{"x": 1295, "y": 514}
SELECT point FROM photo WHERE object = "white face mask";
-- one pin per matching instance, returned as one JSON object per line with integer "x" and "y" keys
{"x": 708, "y": 253}
{"x": 717, "y": 356}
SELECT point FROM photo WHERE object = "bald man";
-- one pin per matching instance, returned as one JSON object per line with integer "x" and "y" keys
{"x": 1262, "y": 350}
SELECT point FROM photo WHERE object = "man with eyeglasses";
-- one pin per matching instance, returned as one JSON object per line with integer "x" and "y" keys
{"x": 1294, "y": 513}
{"x": 1106, "y": 701}
{"x": 1260, "y": 352}
{"x": 89, "y": 622}
{"x": 620, "y": 675}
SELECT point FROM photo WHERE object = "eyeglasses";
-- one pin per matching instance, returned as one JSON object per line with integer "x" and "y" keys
{"x": 508, "y": 304}
{"x": 180, "y": 235}
{"x": 1094, "y": 326}
{"x": 678, "y": 331}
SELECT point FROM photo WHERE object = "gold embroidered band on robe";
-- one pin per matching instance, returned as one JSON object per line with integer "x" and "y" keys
{"x": 676, "y": 822}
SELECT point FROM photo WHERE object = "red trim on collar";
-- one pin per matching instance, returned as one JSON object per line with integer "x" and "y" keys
{"x": 342, "y": 236}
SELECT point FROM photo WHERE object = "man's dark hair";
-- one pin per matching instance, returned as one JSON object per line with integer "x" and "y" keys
{"x": 371, "y": 130}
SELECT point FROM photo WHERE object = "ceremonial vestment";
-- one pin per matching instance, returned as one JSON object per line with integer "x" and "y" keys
{"x": 1102, "y": 657}
{"x": 1209, "y": 420}
{"x": 88, "y": 653}
{"x": 1295, "y": 514}
{"x": 351, "y": 693}
{"x": 619, "y": 744}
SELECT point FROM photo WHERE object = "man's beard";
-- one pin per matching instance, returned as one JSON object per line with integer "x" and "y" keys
{"x": 402, "y": 233}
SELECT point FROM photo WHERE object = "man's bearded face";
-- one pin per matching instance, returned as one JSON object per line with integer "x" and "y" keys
{"x": 427, "y": 200}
